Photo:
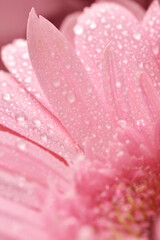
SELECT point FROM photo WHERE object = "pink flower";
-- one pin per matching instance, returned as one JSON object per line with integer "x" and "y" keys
{"x": 89, "y": 169}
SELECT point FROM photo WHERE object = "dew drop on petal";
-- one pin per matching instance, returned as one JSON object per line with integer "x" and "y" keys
{"x": 89, "y": 38}
{"x": 20, "y": 118}
{"x": 28, "y": 79}
{"x": 37, "y": 122}
{"x": 137, "y": 36}
{"x": 118, "y": 84}
{"x": 44, "y": 138}
{"x": 56, "y": 82}
{"x": 119, "y": 26}
{"x": 70, "y": 97}
{"x": 78, "y": 29}
{"x": 6, "y": 97}
{"x": 21, "y": 145}
{"x": 122, "y": 123}
{"x": 93, "y": 25}
{"x": 155, "y": 50}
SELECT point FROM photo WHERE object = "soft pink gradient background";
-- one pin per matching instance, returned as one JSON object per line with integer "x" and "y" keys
{"x": 14, "y": 14}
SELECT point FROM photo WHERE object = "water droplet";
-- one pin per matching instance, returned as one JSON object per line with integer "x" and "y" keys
{"x": 6, "y": 97}
{"x": 119, "y": 45}
{"x": 86, "y": 122}
{"x": 137, "y": 36}
{"x": 155, "y": 50}
{"x": 21, "y": 145}
{"x": 88, "y": 68}
{"x": 118, "y": 84}
{"x": 56, "y": 82}
{"x": 93, "y": 25}
{"x": 78, "y": 29}
{"x": 108, "y": 126}
{"x": 20, "y": 118}
{"x": 28, "y": 79}
{"x": 125, "y": 61}
{"x": 89, "y": 38}
{"x": 44, "y": 137}
{"x": 119, "y": 26}
{"x": 141, "y": 64}
{"x": 70, "y": 97}
{"x": 25, "y": 55}
{"x": 122, "y": 123}
{"x": 80, "y": 157}
{"x": 37, "y": 122}
{"x": 3, "y": 84}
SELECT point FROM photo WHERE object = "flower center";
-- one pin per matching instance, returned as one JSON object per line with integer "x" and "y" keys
{"x": 128, "y": 207}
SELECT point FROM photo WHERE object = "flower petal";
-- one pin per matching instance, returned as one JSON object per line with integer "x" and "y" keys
{"x": 133, "y": 6}
{"x": 44, "y": 165}
{"x": 68, "y": 87}
{"x": 151, "y": 23}
{"x": 16, "y": 59}
{"x": 111, "y": 23}
{"x": 26, "y": 174}
{"x": 20, "y": 112}
{"x": 67, "y": 27}
{"x": 125, "y": 101}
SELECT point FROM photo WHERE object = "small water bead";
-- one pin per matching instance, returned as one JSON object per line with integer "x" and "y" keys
{"x": 93, "y": 25}
{"x": 141, "y": 64}
{"x": 118, "y": 84}
{"x": 89, "y": 38}
{"x": 119, "y": 26}
{"x": 71, "y": 97}
{"x": 37, "y": 122}
{"x": 137, "y": 36}
{"x": 25, "y": 64}
{"x": 21, "y": 145}
{"x": 20, "y": 118}
{"x": 6, "y": 97}
{"x": 122, "y": 123}
{"x": 28, "y": 79}
{"x": 108, "y": 126}
{"x": 119, "y": 45}
{"x": 25, "y": 55}
{"x": 88, "y": 68}
{"x": 103, "y": 20}
{"x": 56, "y": 82}
{"x": 87, "y": 122}
{"x": 78, "y": 29}
{"x": 155, "y": 50}
{"x": 44, "y": 138}
{"x": 125, "y": 61}
{"x": 4, "y": 84}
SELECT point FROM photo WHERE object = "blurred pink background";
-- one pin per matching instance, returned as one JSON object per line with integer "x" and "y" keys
{"x": 14, "y": 14}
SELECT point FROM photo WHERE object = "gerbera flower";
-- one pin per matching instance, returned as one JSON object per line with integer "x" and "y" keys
{"x": 91, "y": 112}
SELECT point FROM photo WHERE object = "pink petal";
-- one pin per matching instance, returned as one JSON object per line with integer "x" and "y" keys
{"x": 68, "y": 87}
{"x": 15, "y": 228}
{"x": 44, "y": 165}
{"x": 151, "y": 24}
{"x": 26, "y": 172}
{"x": 111, "y": 23}
{"x": 150, "y": 95}
{"x": 125, "y": 102}
{"x": 67, "y": 27}
{"x": 16, "y": 59}
{"x": 131, "y": 5}
{"x": 20, "y": 112}
{"x": 155, "y": 231}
